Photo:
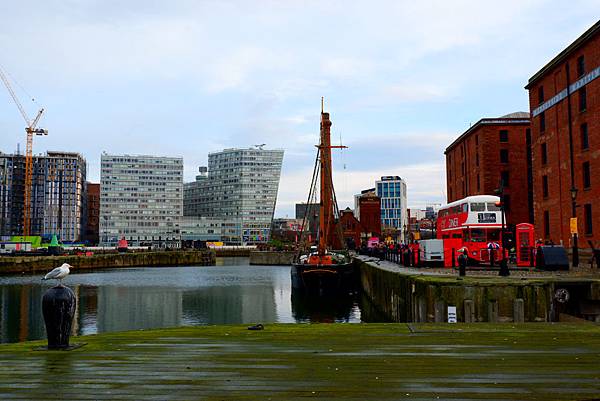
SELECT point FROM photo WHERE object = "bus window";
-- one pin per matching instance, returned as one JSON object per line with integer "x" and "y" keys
{"x": 491, "y": 207}
{"x": 456, "y": 236}
{"x": 464, "y": 207}
{"x": 478, "y": 235}
{"x": 493, "y": 235}
{"x": 478, "y": 207}
{"x": 445, "y": 236}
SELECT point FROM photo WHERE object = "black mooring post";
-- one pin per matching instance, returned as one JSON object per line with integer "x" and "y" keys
{"x": 453, "y": 257}
{"x": 492, "y": 257}
{"x": 58, "y": 308}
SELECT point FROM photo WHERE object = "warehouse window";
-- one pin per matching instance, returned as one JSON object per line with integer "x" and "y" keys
{"x": 544, "y": 153}
{"x": 580, "y": 66}
{"x": 545, "y": 186}
{"x": 587, "y": 216}
{"x": 582, "y": 99}
{"x": 587, "y": 182}
{"x": 503, "y": 155}
{"x": 503, "y": 135}
{"x": 585, "y": 141}
{"x": 542, "y": 121}
{"x": 540, "y": 94}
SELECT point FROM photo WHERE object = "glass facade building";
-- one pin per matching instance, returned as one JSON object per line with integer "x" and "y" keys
{"x": 58, "y": 188}
{"x": 141, "y": 199}
{"x": 241, "y": 190}
{"x": 392, "y": 192}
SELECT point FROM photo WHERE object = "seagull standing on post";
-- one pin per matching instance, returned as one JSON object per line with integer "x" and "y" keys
{"x": 58, "y": 273}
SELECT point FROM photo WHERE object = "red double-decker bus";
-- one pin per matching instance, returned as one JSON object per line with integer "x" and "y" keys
{"x": 474, "y": 223}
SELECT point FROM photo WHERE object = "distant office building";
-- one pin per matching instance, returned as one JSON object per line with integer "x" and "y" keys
{"x": 311, "y": 211}
{"x": 57, "y": 192}
{"x": 91, "y": 225}
{"x": 490, "y": 151}
{"x": 196, "y": 230}
{"x": 564, "y": 99}
{"x": 241, "y": 190}
{"x": 197, "y": 199}
{"x": 392, "y": 192}
{"x": 141, "y": 199}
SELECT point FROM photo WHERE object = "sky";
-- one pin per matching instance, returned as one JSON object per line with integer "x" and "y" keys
{"x": 401, "y": 79}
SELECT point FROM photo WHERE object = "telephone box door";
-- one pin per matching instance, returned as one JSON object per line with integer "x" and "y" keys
{"x": 525, "y": 243}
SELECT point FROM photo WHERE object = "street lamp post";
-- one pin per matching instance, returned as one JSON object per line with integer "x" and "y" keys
{"x": 574, "y": 215}
{"x": 503, "y": 262}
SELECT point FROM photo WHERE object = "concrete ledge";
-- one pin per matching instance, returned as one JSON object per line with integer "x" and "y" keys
{"x": 268, "y": 258}
{"x": 39, "y": 264}
{"x": 416, "y": 295}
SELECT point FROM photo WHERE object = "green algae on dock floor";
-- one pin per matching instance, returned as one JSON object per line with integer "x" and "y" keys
{"x": 286, "y": 362}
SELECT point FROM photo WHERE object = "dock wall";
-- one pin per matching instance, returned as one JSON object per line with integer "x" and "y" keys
{"x": 271, "y": 258}
{"x": 407, "y": 297}
{"x": 39, "y": 264}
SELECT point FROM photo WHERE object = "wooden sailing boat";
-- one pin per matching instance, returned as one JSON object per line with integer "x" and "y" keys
{"x": 323, "y": 269}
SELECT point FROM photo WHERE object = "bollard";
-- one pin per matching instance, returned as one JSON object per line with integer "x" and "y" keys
{"x": 409, "y": 257}
{"x": 58, "y": 308}
{"x": 493, "y": 311}
{"x": 453, "y": 257}
{"x": 518, "y": 310}
{"x": 439, "y": 311}
{"x": 469, "y": 307}
{"x": 491, "y": 257}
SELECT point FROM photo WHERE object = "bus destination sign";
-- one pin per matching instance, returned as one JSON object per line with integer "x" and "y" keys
{"x": 486, "y": 217}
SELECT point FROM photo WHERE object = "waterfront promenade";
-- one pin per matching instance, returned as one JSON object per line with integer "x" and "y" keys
{"x": 320, "y": 361}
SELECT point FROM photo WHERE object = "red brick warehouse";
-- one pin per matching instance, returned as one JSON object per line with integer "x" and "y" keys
{"x": 564, "y": 98}
{"x": 493, "y": 149}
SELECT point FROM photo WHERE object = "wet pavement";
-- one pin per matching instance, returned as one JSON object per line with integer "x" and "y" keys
{"x": 320, "y": 361}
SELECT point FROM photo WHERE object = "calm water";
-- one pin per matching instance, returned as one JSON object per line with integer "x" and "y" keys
{"x": 232, "y": 292}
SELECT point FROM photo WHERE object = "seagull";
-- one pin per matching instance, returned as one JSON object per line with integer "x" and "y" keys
{"x": 58, "y": 273}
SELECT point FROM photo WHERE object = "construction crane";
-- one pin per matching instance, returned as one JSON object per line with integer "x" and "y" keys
{"x": 30, "y": 129}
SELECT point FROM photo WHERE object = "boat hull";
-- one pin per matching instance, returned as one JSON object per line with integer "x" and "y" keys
{"x": 324, "y": 278}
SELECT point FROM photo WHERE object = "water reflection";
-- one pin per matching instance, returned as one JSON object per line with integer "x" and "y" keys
{"x": 329, "y": 308}
{"x": 140, "y": 298}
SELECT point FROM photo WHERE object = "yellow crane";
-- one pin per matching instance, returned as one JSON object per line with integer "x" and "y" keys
{"x": 30, "y": 129}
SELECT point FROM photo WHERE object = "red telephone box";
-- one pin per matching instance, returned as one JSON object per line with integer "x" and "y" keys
{"x": 525, "y": 242}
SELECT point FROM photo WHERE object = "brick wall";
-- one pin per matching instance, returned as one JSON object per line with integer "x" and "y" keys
{"x": 556, "y": 204}
{"x": 474, "y": 165}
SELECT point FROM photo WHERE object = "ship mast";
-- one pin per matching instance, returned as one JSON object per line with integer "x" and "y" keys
{"x": 326, "y": 209}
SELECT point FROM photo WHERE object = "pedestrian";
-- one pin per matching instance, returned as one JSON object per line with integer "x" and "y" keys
{"x": 463, "y": 259}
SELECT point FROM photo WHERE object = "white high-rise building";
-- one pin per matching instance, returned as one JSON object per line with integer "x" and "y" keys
{"x": 141, "y": 199}
{"x": 241, "y": 190}
{"x": 392, "y": 191}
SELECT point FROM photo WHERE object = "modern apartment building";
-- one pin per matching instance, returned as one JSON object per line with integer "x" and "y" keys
{"x": 241, "y": 190}
{"x": 91, "y": 224}
{"x": 58, "y": 185}
{"x": 392, "y": 192}
{"x": 141, "y": 199}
